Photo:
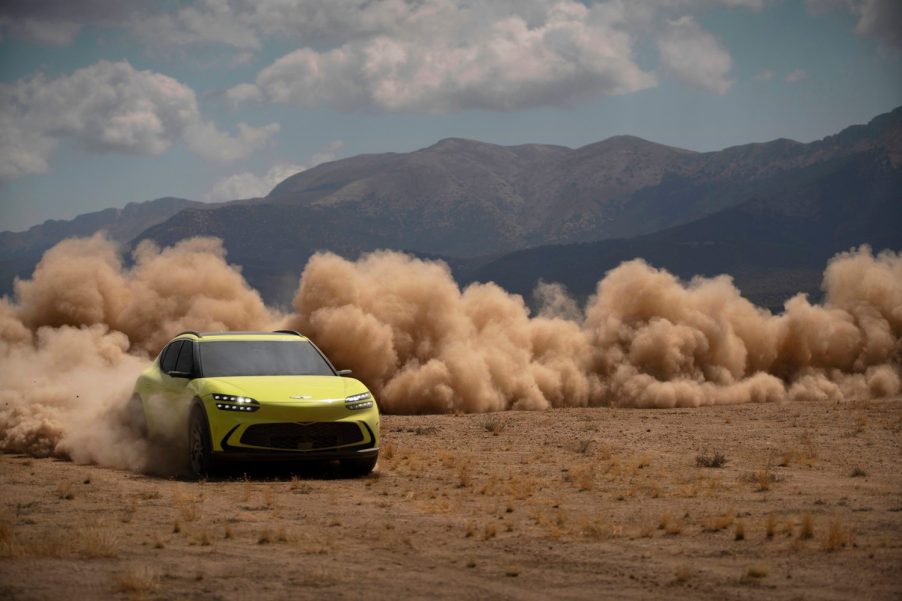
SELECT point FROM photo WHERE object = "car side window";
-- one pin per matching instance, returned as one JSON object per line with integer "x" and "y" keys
{"x": 169, "y": 356}
{"x": 185, "y": 361}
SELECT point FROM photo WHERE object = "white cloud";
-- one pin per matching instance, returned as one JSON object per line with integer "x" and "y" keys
{"x": 449, "y": 58}
{"x": 206, "y": 140}
{"x": 109, "y": 107}
{"x": 244, "y": 93}
{"x": 695, "y": 55}
{"x": 250, "y": 185}
{"x": 881, "y": 19}
{"x": 51, "y": 33}
{"x": 765, "y": 75}
{"x": 796, "y": 76}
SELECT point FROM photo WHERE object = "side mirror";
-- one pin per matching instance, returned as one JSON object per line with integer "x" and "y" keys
{"x": 344, "y": 372}
{"x": 179, "y": 374}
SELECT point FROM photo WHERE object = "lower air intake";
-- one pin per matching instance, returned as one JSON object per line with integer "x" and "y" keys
{"x": 303, "y": 437}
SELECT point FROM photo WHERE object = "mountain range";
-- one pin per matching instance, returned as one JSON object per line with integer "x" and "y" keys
{"x": 768, "y": 213}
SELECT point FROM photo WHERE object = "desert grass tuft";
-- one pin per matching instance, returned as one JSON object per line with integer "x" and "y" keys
{"x": 837, "y": 537}
{"x": 807, "y": 530}
{"x": 64, "y": 491}
{"x": 720, "y": 522}
{"x": 770, "y": 526}
{"x": 739, "y": 530}
{"x": 670, "y": 526}
{"x": 682, "y": 573}
{"x": 137, "y": 579}
{"x": 388, "y": 451}
{"x": 757, "y": 571}
{"x": 96, "y": 541}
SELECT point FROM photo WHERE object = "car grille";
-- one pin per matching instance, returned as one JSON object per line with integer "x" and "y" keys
{"x": 314, "y": 435}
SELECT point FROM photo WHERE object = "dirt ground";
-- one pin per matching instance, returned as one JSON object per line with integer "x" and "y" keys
{"x": 570, "y": 504}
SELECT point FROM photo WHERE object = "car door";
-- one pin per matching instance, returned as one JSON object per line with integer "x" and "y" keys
{"x": 177, "y": 368}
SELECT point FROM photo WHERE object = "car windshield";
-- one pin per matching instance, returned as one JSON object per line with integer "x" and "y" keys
{"x": 261, "y": 358}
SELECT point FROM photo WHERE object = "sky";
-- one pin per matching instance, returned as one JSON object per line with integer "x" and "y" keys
{"x": 106, "y": 102}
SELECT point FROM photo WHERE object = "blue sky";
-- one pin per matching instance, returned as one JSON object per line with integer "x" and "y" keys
{"x": 104, "y": 103}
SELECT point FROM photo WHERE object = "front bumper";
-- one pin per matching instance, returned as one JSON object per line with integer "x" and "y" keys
{"x": 230, "y": 431}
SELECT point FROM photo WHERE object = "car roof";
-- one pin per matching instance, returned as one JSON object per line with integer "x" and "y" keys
{"x": 289, "y": 335}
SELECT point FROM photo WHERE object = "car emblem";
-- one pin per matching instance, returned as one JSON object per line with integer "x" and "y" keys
{"x": 300, "y": 397}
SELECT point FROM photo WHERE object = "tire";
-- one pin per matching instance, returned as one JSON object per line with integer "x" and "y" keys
{"x": 135, "y": 417}
{"x": 200, "y": 447}
{"x": 356, "y": 468}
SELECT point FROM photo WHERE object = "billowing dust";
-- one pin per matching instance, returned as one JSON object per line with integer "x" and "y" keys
{"x": 75, "y": 336}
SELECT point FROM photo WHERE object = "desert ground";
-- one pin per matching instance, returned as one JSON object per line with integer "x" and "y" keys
{"x": 569, "y": 504}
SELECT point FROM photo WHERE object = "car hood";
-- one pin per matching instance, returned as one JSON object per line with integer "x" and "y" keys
{"x": 290, "y": 389}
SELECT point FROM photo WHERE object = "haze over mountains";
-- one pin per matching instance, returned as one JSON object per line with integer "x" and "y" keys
{"x": 770, "y": 214}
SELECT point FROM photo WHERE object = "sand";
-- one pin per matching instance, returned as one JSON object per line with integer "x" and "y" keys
{"x": 570, "y": 504}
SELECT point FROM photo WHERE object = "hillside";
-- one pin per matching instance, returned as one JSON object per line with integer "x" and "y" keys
{"x": 774, "y": 245}
{"x": 768, "y": 213}
{"x": 20, "y": 251}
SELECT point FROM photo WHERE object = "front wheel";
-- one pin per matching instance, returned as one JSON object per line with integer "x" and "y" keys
{"x": 200, "y": 447}
{"x": 357, "y": 467}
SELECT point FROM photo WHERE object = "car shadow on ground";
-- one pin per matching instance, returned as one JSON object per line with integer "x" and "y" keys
{"x": 274, "y": 471}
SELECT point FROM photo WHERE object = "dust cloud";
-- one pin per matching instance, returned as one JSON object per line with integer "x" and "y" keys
{"x": 77, "y": 334}
{"x": 74, "y": 337}
{"x": 645, "y": 339}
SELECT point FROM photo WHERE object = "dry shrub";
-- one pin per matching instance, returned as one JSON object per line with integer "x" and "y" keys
{"x": 837, "y": 536}
{"x": 6, "y": 530}
{"x": 715, "y": 459}
{"x": 388, "y": 451}
{"x": 470, "y": 530}
{"x": 265, "y": 537}
{"x": 770, "y": 526}
{"x": 598, "y": 528}
{"x": 188, "y": 507}
{"x": 95, "y": 542}
{"x": 720, "y": 522}
{"x": 490, "y": 531}
{"x": 64, "y": 491}
{"x": 757, "y": 571}
{"x": 807, "y": 530}
{"x": 682, "y": 573}
{"x": 739, "y": 532}
{"x": 582, "y": 447}
{"x": 464, "y": 475}
{"x": 494, "y": 425}
{"x": 583, "y": 476}
{"x": 669, "y": 525}
{"x": 857, "y": 472}
{"x": 137, "y": 579}
{"x": 788, "y": 457}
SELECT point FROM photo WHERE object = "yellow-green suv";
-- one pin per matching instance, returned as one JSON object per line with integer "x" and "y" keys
{"x": 256, "y": 395}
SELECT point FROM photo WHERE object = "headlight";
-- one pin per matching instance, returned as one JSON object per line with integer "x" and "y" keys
{"x": 228, "y": 402}
{"x": 362, "y": 400}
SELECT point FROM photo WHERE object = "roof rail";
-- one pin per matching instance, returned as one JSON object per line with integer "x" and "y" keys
{"x": 187, "y": 332}
{"x": 288, "y": 332}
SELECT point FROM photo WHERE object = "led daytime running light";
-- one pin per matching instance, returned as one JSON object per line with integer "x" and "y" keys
{"x": 358, "y": 401}
{"x": 228, "y": 402}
